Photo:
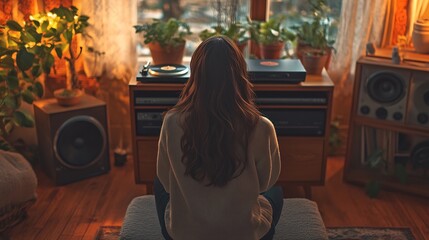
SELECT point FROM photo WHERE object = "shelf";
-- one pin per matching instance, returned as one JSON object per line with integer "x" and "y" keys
{"x": 388, "y": 125}
{"x": 414, "y": 185}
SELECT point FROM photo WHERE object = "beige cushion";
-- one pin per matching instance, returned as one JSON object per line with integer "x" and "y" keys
{"x": 18, "y": 185}
{"x": 300, "y": 220}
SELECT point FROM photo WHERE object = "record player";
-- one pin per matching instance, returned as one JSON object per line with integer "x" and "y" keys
{"x": 164, "y": 73}
{"x": 287, "y": 71}
{"x": 276, "y": 70}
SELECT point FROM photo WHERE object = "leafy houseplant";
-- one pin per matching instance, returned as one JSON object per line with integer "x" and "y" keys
{"x": 20, "y": 68}
{"x": 314, "y": 48}
{"x": 235, "y": 31}
{"x": 165, "y": 39}
{"x": 59, "y": 28}
{"x": 270, "y": 36}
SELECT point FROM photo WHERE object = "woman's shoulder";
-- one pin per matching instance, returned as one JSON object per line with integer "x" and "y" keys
{"x": 171, "y": 117}
{"x": 265, "y": 123}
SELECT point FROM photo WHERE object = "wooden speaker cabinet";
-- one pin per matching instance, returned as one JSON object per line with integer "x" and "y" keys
{"x": 72, "y": 141}
{"x": 300, "y": 113}
{"x": 390, "y": 116}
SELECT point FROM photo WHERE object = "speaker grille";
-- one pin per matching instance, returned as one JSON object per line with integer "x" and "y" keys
{"x": 385, "y": 87}
{"x": 80, "y": 142}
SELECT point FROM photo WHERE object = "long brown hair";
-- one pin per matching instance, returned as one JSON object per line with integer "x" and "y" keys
{"x": 218, "y": 113}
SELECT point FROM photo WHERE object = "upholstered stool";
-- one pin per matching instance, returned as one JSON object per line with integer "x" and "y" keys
{"x": 300, "y": 220}
{"x": 18, "y": 185}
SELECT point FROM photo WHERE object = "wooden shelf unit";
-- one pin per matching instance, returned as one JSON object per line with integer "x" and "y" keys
{"x": 303, "y": 158}
{"x": 355, "y": 171}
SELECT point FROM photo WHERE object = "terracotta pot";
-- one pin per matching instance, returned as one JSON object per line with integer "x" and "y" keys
{"x": 70, "y": 99}
{"x": 272, "y": 51}
{"x": 166, "y": 54}
{"x": 302, "y": 48}
{"x": 314, "y": 63}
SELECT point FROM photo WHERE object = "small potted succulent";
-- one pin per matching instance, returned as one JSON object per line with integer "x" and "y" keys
{"x": 270, "y": 36}
{"x": 165, "y": 39}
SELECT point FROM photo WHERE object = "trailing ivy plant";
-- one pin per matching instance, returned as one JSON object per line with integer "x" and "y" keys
{"x": 22, "y": 58}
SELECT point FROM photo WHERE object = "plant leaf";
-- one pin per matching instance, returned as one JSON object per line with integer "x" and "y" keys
{"x": 10, "y": 102}
{"x": 12, "y": 80}
{"x": 23, "y": 119}
{"x": 38, "y": 89}
{"x": 14, "y": 25}
{"x": 24, "y": 59}
{"x": 59, "y": 51}
{"x": 372, "y": 188}
{"x": 27, "y": 96}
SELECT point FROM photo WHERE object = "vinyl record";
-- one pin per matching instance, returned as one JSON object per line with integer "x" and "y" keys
{"x": 168, "y": 70}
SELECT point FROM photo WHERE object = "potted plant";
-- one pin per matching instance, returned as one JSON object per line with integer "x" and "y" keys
{"x": 20, "y": 69}
{"x": 270, "y": 36}
{"x": 165, "y": 39}
{"x": 313, "y": 46}
{"x": 235, "y": 31}
{"x": 59, "y": 28}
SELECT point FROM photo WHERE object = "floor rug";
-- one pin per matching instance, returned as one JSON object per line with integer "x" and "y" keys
{"x": 336, "y": 233}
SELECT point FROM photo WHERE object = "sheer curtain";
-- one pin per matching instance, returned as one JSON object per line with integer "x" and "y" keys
{"x": 361, "y": 22}
{"x": 114, "y": 61}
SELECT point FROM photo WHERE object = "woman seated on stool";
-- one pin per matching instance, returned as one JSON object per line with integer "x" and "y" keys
{"x": 218, "y": 158}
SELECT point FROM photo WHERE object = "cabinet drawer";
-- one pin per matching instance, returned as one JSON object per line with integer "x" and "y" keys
{"x": 147, "y": 151}
{"x": 302, "y": 159}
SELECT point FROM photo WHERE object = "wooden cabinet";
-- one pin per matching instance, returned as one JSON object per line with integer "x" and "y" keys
{"x": 390, "y": 121}
{"x": 303, "y": 155}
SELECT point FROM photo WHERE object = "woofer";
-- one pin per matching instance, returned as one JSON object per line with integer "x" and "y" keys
{"x": 420, "y": 155}
{"x": 80, "y": 142}
{"x": 73, "y": 142}
{"x": 385, "y": 87}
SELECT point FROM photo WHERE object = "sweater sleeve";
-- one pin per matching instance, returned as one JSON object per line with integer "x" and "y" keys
{"x": 269, "y": 168}
{"x": 163, "y": 167}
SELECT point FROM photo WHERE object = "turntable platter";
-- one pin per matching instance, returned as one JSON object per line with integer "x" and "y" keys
{"x": 168, "y": 70}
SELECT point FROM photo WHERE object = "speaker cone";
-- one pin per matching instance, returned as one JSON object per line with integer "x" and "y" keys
{"x": 420, "y": 155}
{"x": 385, "y": 87}
{"x": 80, "y": 142}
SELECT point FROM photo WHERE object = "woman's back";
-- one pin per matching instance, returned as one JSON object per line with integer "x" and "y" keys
{"x": 234, "y": 211}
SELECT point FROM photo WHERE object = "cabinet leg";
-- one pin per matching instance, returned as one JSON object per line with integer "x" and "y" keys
{"x": 307, "y": 191}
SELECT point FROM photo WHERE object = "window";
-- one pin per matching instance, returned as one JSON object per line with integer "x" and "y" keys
{"x": 202, "y": 14}
{"x": 199, "y": 14}
{"x": 298, "y": 11}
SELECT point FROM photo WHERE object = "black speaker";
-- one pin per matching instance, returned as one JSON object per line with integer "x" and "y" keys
{"x": 418, "y": 107}
{"x": 383, "y": 92}
{"x": 73, "y": 141}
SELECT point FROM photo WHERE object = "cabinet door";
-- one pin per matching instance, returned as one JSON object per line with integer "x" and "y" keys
{"x": 302, "y": 159}
{"x": 147, "y": 151}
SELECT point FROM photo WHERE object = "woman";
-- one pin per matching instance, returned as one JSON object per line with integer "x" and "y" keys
{"x": 216, "y": 154}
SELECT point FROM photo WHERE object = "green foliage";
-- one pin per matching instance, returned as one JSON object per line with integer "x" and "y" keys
{"x": 315, "y": 32}
{"x": 376, "y": 163}
{"x": 334, "y": 136}
{"x": 26, "y": 51}
{"x": 57, "y": 29}
{"x": 270, "y": 31}
{"x": 166, "y": 33}
{"x": 19, "y": 70}
{"x": 235, "y": 31}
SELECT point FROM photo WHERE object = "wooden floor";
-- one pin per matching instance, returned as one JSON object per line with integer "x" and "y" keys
{"x": 76, "y": 211}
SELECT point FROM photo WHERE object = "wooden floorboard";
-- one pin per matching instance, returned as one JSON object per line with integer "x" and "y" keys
{"x": 77, "y": 210}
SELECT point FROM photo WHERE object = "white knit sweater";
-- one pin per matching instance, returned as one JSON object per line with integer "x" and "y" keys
{"x": 235, "y": 211}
